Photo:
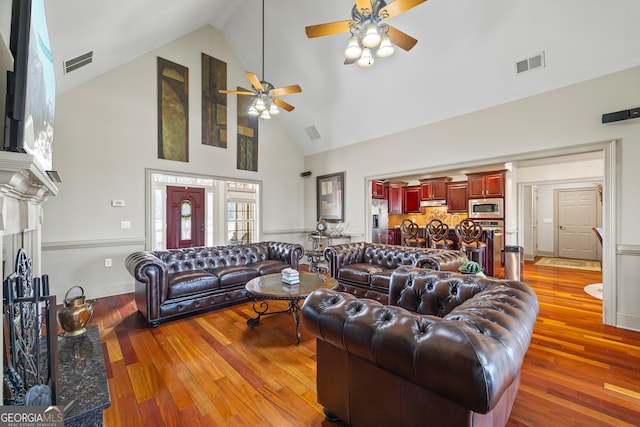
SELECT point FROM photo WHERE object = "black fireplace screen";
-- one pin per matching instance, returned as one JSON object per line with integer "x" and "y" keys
{"x": 30, "y": 338}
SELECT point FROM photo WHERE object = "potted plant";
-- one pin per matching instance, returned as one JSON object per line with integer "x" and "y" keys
{"x": 469, "y": 267}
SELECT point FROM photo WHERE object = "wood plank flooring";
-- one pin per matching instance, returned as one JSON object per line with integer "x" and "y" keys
{"x": 212, "y": 370}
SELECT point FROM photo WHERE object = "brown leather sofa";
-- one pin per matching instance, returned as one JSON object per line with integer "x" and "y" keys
{"x": 446, "y": 352}
{"x": 174, "y": 283}
{"x": 364, "y": 269}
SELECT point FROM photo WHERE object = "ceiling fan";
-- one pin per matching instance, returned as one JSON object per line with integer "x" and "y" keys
{"x": 368, "y": 30}
{"x": 265, "y": 96}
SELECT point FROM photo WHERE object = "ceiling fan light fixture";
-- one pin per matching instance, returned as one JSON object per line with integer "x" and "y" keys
{"x": 274, "y": 110}
{"x": 386, "y": 48}
{"x": 253, "y": 112}
{"x": 260, "y": 105}
{"x": 353, "y": 49}
{"x": 366, "y": 60}
{"x": 265, "y": 115}
{"x": 371, "y": 37}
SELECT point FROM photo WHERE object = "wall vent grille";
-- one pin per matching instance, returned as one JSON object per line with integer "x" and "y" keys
{"x": 532, "y": 63}
{"x": 77, "y": 62}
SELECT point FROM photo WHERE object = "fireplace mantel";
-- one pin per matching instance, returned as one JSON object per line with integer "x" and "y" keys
{"x": 24, "y": 187}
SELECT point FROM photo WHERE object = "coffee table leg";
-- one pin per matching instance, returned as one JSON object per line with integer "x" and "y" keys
{"x": 260, "y": 309}
{"x": 294, "y": 306}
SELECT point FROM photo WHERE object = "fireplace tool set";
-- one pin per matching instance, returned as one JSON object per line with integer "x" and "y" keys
{"x": 30, "y": 338}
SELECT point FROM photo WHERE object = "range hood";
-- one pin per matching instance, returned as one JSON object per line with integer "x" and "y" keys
{"x": 430, "y": 203}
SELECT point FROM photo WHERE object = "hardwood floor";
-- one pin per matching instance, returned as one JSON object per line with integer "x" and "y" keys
{"x": 212, "y": 369}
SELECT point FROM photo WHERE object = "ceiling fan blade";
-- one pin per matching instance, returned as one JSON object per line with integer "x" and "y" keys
{"x": 236, "y": 92}
{"x": 397, "y": 7}
{"x": 328, "y": 29}
{"x": 280, "y": 103}
{"x": 286, "y": 90}
{"x": 400, "y": 39}
{"x": 255, "y": 81}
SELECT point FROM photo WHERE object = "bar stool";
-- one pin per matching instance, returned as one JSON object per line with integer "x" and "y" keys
{"x": 438, "y": 232}
{"x": 409, "y": 230}
{"x": 469, "y": 234}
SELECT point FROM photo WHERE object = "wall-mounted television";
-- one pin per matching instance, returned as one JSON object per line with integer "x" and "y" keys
{"x": 31, "y": 86}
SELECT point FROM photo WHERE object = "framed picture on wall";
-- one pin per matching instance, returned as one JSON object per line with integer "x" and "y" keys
{"x": 330, "y": 197}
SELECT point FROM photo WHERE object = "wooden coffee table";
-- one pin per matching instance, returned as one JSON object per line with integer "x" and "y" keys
{"x": 270, "y": 287}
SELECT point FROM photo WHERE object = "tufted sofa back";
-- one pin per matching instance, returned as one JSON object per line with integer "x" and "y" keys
{"x": 388, "y": 256}
{"x": 200, "y": 258}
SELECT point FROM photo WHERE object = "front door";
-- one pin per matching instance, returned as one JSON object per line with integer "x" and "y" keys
{"x": 185, "y": 217}
{"x": 577, "y": 215}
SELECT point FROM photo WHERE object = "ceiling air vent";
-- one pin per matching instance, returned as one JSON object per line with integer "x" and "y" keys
{"x": 530, "y": 63}
{"x": 77, "y": 62}
{"x": 312, "y": 132}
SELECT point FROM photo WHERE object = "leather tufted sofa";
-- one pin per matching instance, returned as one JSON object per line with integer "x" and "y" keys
{"x": 174, "y": 283}
{"x": 446, "y": 352}
{"x": 364, "y": 269}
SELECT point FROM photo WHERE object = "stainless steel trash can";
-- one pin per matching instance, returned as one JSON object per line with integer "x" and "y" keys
{"x": 513, "y": 262}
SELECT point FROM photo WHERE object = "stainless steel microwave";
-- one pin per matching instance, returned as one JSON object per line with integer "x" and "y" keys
{"x": 486, "y": 208}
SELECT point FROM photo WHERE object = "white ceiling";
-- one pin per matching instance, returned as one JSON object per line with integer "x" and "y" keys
{"x": 464, "y": 60}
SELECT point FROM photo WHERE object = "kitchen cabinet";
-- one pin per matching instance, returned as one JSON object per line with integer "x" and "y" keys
{"x": 396, "y": 194}
{"x": 434, "y": 188}
{"x": 378, "y": 189}
{"x": 457, "y": 200}
{"x": 411, "y": 199}
{"x": 483, "y": 185}
{"x": 394, "y": 236}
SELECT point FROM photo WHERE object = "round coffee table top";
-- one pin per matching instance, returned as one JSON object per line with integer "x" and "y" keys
{"x": 271, "y": 286}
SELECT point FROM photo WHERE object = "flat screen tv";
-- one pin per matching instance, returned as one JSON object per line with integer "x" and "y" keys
{"x": 31, "y": 86}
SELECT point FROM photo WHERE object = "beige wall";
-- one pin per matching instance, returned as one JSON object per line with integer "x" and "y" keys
{"x": 106, "y": 137}
{"x": 553, "y": 121}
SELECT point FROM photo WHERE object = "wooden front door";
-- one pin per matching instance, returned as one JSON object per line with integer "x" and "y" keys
{"x": 185, "y": 217}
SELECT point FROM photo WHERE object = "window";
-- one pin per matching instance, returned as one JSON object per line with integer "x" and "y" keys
{"x": 241, "y": 212}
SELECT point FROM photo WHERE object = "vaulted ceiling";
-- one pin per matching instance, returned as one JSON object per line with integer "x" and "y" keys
{"x": 464, "y": 60}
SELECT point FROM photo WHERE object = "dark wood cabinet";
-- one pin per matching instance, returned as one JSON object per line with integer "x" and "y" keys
{"x": 395, "y": 197}
{"x": 434, "y": 188}
{"x": 485, "y": 185}
{"x": 378, "y": 189}
{"x": 457, "y": 200}
{"x": 411, "y": 199}
{"x": 394, "y": 236}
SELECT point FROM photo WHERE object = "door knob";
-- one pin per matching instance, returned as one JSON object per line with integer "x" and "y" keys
{"x": 562, "y": 227}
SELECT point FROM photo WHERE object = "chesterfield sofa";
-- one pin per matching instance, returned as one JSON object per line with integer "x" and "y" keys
{"x": 364, "y": 269}
{"x": 447, "y": 351}
{"x": 174, "y": 283}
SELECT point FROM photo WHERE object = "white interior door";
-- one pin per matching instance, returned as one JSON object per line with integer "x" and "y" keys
{"x": 577, "y": 215}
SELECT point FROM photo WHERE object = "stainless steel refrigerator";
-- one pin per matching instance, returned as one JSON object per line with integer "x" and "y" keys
{"x": 380, "y": 221}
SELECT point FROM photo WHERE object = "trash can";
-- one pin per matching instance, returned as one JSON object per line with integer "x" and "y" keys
{"x": 513, "y": 262}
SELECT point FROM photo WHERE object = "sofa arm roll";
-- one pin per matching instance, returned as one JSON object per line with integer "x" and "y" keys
{"x": 291, "y": 253}
{"x": 470, "y": 358}
{"x": 338, "y": 256}
{"x": 441, "y": 260}
{"x": 152, "y": 276}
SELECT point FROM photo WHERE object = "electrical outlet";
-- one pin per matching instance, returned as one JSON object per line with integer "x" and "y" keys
{"x": 108, "y": 262}
{"x": 125, "y": 225}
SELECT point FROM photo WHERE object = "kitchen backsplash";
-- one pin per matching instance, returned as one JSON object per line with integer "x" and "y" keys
{"x": 428, "y": 213}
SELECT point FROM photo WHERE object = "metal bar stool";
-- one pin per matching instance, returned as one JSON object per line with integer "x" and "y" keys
{"x": 437, "y": 231}
{"x": 469, "y": 234}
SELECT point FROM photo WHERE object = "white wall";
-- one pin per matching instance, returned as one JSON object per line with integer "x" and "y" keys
{"x": 555, "y": 120}
{"x": 105, "y": 138}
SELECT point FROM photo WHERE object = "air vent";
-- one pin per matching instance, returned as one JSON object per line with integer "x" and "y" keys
{"x": 77, "y": 62}
{"x": 312, "y": 132}
{"x": 530, "y": 63}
